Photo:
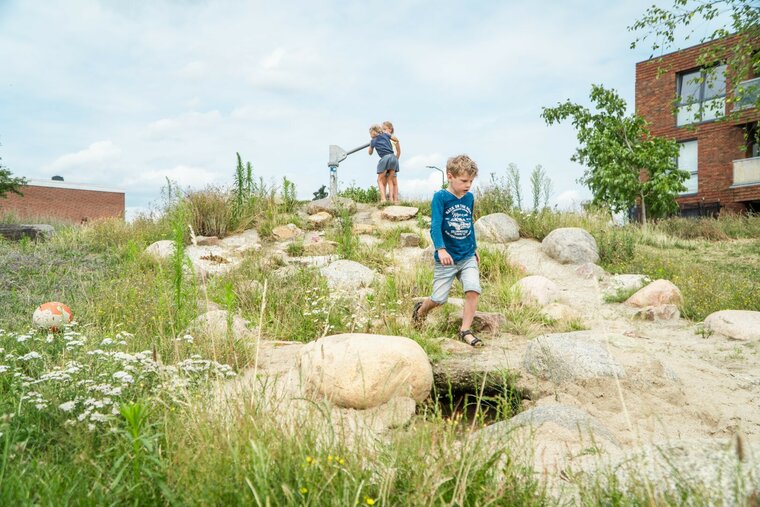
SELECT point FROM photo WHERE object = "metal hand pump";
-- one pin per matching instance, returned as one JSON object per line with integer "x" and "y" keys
{"x": 338, "y": 155}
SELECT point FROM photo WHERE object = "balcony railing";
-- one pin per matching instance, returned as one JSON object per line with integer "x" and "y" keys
{"x": 747, "y": 94}
{"x": 747, "y": 171}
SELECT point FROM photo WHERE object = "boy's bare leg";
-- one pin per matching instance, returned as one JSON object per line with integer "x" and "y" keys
{"x": 427, "y": 305}
{"x": 470, "y": 305}
{"x": 381, "y": 182}
{"x": 394, "y": 187}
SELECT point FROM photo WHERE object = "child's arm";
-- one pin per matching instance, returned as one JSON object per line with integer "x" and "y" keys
{"x": 436, "y": 230}
{"x": 398, "y": 146}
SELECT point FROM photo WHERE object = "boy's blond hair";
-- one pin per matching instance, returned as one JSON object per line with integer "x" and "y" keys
{"x": 376, "y": 129}
{"x": 461, "y": 164}
{"x": 388, "y": 125}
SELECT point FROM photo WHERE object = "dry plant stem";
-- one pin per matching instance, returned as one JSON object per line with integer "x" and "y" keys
{"x": 261, "y": 325}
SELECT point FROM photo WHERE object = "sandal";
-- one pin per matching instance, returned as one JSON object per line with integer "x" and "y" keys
{"x": 416, "y": 319}
{"x": 474, "y": 341}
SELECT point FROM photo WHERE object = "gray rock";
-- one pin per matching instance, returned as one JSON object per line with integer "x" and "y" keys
{"x": 347, "y": 275}
{"x": 497, "y": 228}
{"x": 563, "y": 357}
{"x": 589, "y": 270}
{"x": 409, "y": 239}
{"x": 571, "y": 245}
{"x": 715, "y": 470}
{"x": 537, "y": 290}
{"x": 214, "y": 325}
{"x": 399, "y": 213}
{"x": 242, "y": 242}
{"x": 331, "y": 206}
{"x": 741, "y": 325}
{"x": 162, "y": 249}
{"x": 571, "y": 418}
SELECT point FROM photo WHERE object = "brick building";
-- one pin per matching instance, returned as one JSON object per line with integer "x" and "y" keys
{"x": 681, "y": 102}
{"x": 69, "y": 202}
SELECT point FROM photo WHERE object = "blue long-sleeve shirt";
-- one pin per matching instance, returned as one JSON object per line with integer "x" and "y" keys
{"x": 452, "y": 227}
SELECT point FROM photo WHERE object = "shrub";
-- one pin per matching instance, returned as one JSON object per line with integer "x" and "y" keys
{"x": 211, "y": 211}
{"x": 369, "y": 195}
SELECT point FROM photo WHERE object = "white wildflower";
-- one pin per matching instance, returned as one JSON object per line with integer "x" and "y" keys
{"x": 98, "y": 417}
{"x": 22, "y": 338}
{"x": 67, "y": 406}
{"x": 31, "y": 355}
{"x": 124, "y": 377}
{"x": 3, "y": 368}
{"x": 106, "y": 342}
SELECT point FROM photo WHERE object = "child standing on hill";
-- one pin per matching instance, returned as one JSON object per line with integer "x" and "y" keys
{"x": 456, "y": 254}
{"x": 388, "y": 163}
{"x": 388, "y": 129}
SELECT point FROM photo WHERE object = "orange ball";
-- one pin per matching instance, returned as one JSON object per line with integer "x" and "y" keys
{"x": 52, "y": 316}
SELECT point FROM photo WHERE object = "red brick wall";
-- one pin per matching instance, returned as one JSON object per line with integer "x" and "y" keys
{"x": 67, "y": 204}
{"x": 719, "y": 143}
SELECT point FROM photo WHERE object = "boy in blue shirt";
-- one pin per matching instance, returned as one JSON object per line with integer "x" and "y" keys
{"x": 456, "y": 255}
{"x": 388, "y": 164}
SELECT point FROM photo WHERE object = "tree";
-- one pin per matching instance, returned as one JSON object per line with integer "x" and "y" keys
{"x": 9, "y": 183}
{"x": 740, "y": 53}
{"x": 624, "y": 162}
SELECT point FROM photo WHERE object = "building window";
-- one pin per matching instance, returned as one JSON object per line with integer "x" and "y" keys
{"x": 701, "y": 95}
{"x": 687, "y": 161}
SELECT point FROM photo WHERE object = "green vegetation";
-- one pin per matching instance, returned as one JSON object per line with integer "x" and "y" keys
{"x": 116, "y": 409}
{"x": 616, "y": 149}
{"x": 8, "y": 182}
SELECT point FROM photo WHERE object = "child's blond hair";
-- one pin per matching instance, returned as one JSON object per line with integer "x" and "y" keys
{"x": 461, "y": 164}
{"x": 388, "y": 125}
{"x": 375, "y": 129}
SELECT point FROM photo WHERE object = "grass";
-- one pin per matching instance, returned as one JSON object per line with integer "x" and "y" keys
{"x": 115, "y": 409}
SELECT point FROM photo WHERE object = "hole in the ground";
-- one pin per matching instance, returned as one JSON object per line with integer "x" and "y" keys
{"x": 499, "y": 400}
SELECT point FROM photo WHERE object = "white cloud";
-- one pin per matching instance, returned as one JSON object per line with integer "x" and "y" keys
{"x": 96, "y": 156}
{"x": 569, "y": 200}
{"x": 422, "y": 161}
{"x": 184, "y": 176}
{"x": 177, "y": 127}
{"x": 419, "y": 188}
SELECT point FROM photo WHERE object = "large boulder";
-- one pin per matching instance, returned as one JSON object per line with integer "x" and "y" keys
{"x": 162, "y": 249}
{"x": 538, "y": 290}
{"x": 563, "y": 357}
{"x": 347, "y": 275}
{"x": 497, "y": 228}
{"x": 741, "y": 325}
{"x": 399, "y": 213}
{"x": 361, "y": 371}
{"x": 659, "y": 292}
{"x": 571, "y": 245}
{"x": 564, "y": 416}
{"x": 242, "y": 242}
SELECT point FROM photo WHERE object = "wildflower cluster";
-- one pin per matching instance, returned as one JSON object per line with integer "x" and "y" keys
{"x": 82, "y": 382}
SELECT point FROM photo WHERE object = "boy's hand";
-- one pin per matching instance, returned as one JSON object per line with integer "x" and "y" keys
{"x": 477, "y": 257}
{"x": 444, "y": 257}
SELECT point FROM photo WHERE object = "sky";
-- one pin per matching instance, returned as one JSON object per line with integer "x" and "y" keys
{"x": 125, "y": 94}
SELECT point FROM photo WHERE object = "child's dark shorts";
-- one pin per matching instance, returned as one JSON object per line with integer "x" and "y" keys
{"x": 388, "y": 162}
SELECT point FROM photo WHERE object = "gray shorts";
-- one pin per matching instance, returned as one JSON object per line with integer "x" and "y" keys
{"x": 466, "y": 271}
{"x": 387, "y": 163}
